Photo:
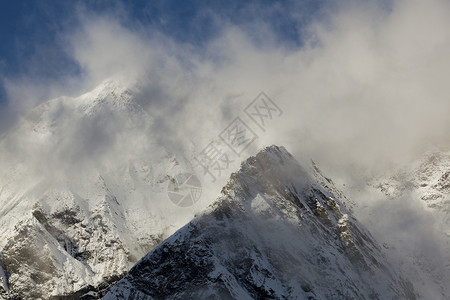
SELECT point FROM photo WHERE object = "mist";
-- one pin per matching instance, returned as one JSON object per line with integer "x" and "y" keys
{"x": 367, "y": 87}
{"x": 365, "y": 92}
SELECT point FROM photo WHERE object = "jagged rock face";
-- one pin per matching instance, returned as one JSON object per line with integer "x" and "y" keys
{"x": 77, "y": 213}
{"x": 274, "y": 233}
{"x": 65, "y": 252}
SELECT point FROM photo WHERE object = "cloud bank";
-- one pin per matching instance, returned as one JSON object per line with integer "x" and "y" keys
{"x": 366, "y": 87}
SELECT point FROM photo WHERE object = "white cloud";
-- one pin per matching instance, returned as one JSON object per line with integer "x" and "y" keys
{"x": 367, "y": 90}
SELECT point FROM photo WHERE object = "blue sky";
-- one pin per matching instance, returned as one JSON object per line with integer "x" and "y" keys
{"x": 32, "y": 32}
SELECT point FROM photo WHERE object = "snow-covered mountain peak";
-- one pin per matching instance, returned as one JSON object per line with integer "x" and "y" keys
{"x": 273, "y": 164}
{"x": 273, "y": 233}
{"x": 84, "y": 178}
{"x": 427, "y": 178}
{"x": 417, "y": 194}
{"x": 108, "y": 97}
{"x": 275, "y": 174}
{"x": 112, "y": 92}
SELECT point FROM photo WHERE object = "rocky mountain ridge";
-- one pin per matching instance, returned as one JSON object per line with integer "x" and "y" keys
{"x": 274, "y": 233}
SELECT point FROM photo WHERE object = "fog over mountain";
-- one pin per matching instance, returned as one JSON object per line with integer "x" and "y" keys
{"x": 368, "y": 80}
{"x": 364, "y": 94}
{"x": 274, "y": 232}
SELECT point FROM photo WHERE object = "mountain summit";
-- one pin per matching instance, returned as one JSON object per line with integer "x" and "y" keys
{"x": 83, "y": 194}
{"x": 273, "y": 233}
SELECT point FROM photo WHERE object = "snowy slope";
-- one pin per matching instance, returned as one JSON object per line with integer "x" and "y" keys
{"x": 427, "y": 178}
{"x": 274, "y": 233}
{"x": 422, "y": 190}
{"x": 82, "y": 194}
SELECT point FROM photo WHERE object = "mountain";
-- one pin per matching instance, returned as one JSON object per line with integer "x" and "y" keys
{"x": 82, "y": 194}
{"x": 427, "y": 178}
{"x": 416, "y": 205}
{"x": 274, "y": 233}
